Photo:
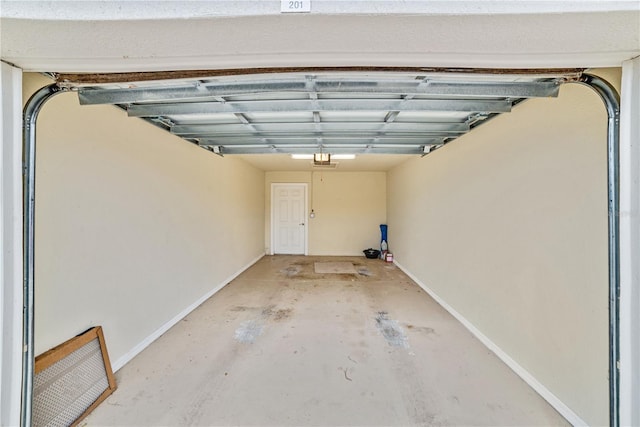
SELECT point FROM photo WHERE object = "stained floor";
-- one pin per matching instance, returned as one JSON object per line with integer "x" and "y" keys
{"x": 282, "y": 345}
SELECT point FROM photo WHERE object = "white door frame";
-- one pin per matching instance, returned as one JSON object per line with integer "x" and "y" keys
{"x": 306, "y": 215}
{"x": 630, "y": 243}
{"x": 11, "y": 244}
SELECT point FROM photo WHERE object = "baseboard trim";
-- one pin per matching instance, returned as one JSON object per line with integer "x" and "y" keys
{"x": 123, "y": 360}
{"x": 334, "y": 254}
{"x": 546, "y": 394}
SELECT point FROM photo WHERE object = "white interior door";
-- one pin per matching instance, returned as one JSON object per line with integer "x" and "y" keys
{"x": 289, "y": 213}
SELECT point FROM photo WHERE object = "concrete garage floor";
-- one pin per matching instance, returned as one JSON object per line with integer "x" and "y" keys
{"x": 282, "y": 345}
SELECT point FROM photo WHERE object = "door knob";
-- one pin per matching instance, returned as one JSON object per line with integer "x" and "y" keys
{"x": 302, "y": 223}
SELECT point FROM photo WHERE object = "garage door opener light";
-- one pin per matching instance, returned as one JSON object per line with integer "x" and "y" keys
{"x": 322, "y": 159}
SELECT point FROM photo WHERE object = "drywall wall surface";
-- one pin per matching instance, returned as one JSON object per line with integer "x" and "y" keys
{"x": 508, "y": 225}
{"x": 132, "y": 224}
{"x": 349, "y": 208}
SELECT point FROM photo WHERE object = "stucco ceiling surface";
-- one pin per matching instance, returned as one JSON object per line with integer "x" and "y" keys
{"x": 169, "y": 9}
{"x": 148, "y": 36}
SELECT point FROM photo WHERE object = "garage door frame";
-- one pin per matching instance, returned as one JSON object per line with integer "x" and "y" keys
{"x": 612, "y": 104}
{"x": 600, "y": 86}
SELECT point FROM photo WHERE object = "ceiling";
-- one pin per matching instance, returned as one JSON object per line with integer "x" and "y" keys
{"x": 143, "y": 35}
{"x": 363, "y": 163}
{"x": 365, "y": 113}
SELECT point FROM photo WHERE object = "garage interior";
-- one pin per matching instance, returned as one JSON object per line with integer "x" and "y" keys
{"x": 189, "y": 218}
{"x": 155, "y": 211}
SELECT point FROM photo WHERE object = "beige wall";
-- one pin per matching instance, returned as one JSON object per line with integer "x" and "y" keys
{"x": 349, "y": 208}
{"x": 509, "y": 226}
{"x": 133, "y": 225}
